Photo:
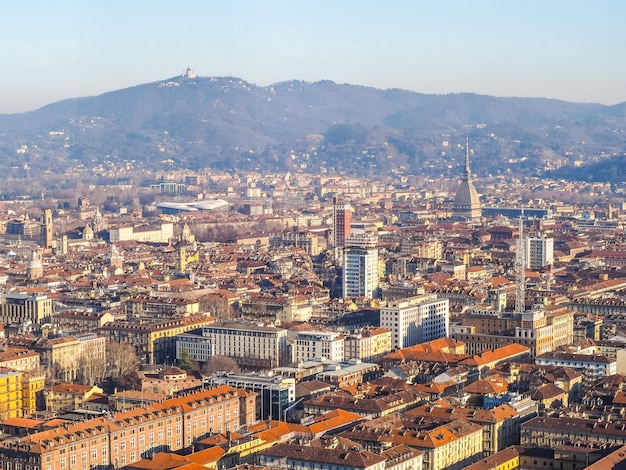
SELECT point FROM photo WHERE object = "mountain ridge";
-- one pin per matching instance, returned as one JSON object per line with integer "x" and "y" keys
{"x": 229, "y": 123}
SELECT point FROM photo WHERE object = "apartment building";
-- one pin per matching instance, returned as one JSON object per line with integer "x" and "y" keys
{"x": 592, "y": 366}
{"x": 250, "y": 345}
{"x": 500, "y": 424}
{"x": 552, "y": 432}
{"x": 22, "y": 359}
{"x": 18, "y": 393}
{"x": 160, "y": 307}
{"x": 299, "y": 456}
{"x": 60, "y": 356}
{"x": 318, "y": 344}
{"x": 125, "y": 437}
{"x": 542, "y": 329}
{"x": 416, "y": 320}
{"x": 452, "y": 445}
{"x": 369, "y": 344}
{"x": 539, "y": 252}
{"x": 82, "y": 320}
{"x": 360, "y": 266}
{"x": 10, "y": 394}
{"x": 155, "y": 341}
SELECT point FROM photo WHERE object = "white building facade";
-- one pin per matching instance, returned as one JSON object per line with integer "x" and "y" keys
{"x": 416, "y": 320}
{"x": 539, "y": 252}
{"x": 250, "y": 345}
{"x": 310, "y": 345}
{"x": 360, "y": 266}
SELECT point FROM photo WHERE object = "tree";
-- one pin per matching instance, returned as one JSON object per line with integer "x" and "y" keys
{"x": 217, "y": 307}
{"x": 90, "y": 370}
{"x": 184, "y": 362}
{"x": 121, "y": 359}
{"x": 221, "y": 364}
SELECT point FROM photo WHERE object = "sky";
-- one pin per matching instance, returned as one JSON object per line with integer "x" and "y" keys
{"x": 571, "y": 50}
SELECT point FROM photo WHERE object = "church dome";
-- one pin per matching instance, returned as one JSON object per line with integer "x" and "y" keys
{"x": 34, "y": 270}
{"x": 466, "y": 196}
{"x": 35, "y": 262}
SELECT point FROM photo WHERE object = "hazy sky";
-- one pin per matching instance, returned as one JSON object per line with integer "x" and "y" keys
{"x": 566, "y": 49}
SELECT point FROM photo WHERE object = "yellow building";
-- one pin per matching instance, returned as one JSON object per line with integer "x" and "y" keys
{"x": 451, "y": 445}
{"x": 32, "y": 386}
{"x": 10, "y": 394}
{"x": 507, "y": 459}
{"x": 60, "y": 356}
{"x": 500, "y": 424}
{"x": 153, "y": 341}
{"x": 369, "y": 344}
{"x": 542, "y": 329}
{"x": 68, "y": 397}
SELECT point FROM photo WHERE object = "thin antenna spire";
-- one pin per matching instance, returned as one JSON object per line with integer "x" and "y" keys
{"x": 520, "y": 268}
{"x": 467, "y": 165}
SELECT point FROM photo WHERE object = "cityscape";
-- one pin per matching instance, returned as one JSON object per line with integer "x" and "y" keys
{"x": 355, "y": 235}
{"x": 244, "y": 320}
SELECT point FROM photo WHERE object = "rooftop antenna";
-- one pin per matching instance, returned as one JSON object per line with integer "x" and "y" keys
{"x": 520, "y": 269}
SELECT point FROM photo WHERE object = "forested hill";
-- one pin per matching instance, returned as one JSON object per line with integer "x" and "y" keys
{"x": 227, "y": 123}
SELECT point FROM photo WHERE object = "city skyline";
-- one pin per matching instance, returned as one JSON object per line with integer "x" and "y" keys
{"x": 569, "y": 51}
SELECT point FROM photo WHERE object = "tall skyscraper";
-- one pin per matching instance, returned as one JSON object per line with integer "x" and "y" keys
{"x": 47, "y": 230}
{"x": 466, "y": 201}
{"x": 342, "y": 218}
{"x": 360, "y": 266}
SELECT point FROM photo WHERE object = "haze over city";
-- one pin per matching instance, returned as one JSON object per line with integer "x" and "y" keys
{"x": 564, "y": 50}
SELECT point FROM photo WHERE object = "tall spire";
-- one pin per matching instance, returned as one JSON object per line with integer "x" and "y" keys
{"x": 467, "y": 201}
{"x": 467, "y": 173}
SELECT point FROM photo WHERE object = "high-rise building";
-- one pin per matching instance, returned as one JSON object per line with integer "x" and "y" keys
{"x": 360, "y": 266}
{"x": 47, "y": 230}
{"x": 467, "y": 201}
{"x": 342, "y": 218}
{"x": 539, "y": 252}
{"x": 416, "y": 320}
